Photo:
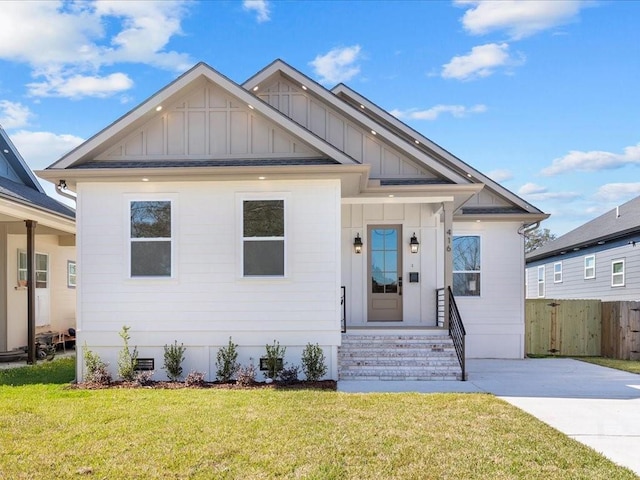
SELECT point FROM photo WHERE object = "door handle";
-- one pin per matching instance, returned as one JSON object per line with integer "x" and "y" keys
{"x": 399, "y": 285}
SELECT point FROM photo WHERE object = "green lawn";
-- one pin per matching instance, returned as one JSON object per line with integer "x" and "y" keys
{"x": 52, "y": 432}
{"x": 632, "y": 366}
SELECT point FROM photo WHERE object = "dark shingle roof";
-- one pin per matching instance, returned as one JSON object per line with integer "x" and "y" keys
{"x": 415, "y": 181}
{"x": 492, "y": 210}
{"x": 263, "y": 162}
{"x": 618, "y": 222}
{"x": 29, "y": 196}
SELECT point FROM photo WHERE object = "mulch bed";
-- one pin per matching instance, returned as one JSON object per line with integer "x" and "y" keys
{"x": 301, "y": 385}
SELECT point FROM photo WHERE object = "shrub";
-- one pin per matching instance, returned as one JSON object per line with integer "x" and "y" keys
{"x": 173, "y": 358}
{"x": 226, "y": 362}
{"x": 289, "y": 375}
{"x": 96, "y": 369}
{"x": 246, "y": 376}
{"x": 194, "y": 379}
{"x": 127, "y": 359}
{"x": 143, "y": 378}
{"x": 274, "y": 353}
{"x": 313, "y": 362}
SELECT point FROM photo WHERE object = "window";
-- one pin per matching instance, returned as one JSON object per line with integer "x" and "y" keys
{"x": 263, "y": 238}
{"x": 590, "y": 267}
{"x": 617, "y": 273}
{"x": 541, "y": 281}
{"x": 41, "y": 269}
{"x": 151, "y": 242}
{"x": 71, "y": 274}
{"x": 557, "y": 272}
{"x": 466, "y": 266}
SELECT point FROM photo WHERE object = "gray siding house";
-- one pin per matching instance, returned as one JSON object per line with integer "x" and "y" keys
{"x": 598, "y": 260}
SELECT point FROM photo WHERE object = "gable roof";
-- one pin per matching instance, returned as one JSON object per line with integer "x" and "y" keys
{"x": 616, "y": 223}
{"x": 146, "y": 110}
{"x": 10, "y": 154}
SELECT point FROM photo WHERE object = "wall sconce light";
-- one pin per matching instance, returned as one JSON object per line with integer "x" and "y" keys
{"x": 357, "y": 244}
{"x": 414, "y": 243}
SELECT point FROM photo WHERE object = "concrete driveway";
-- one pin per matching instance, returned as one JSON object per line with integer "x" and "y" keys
{"x": 597, "y": 406}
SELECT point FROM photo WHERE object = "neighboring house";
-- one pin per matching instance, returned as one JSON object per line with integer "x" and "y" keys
{"x": 53, "y": 231}
{"x": 216, "y": 210}
{"x": 598, "y": 260}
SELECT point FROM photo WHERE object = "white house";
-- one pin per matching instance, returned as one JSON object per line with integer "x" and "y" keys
{"x": 35, "y": 225}
{"x": 216, "y": 210}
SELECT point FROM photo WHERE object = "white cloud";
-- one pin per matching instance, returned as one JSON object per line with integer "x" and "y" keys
{"x": 62, "y": 40}
{"x": 500, "y": 175}
{"x": 261, "y": 7}
{"x": 616, "y": 192}
{"x": 14, "y": 114}
{"x": 41, "y": 149}
{"x": 433, "y": 113}
{"x": 79, "y": 86}
{"x": 482, "y": 61}
{"x": 534, "y": 192}
{"x": 516, "y": 17}
{"x": 339, "y": 65}
{"x": 593, "y": 161}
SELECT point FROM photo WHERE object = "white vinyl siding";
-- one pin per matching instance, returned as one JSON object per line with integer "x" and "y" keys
{"x": 617, "y": 273}
{"x": 589, "y": 267}
{"x": 557, "y": 272}
{"x": 541, "y": 290}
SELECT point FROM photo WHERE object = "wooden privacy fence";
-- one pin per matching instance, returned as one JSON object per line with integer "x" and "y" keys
{"x": 582, "y": 328}
{"x": 621, "y": 330}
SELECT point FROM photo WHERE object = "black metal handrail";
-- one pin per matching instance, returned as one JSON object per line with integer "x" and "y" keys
{"x": 440, "y": 307}
{"x": 343, "y": 304}
{"x": 457, "y": 331}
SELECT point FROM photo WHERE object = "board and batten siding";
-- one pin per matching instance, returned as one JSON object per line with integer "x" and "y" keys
{"x": 207, "y": 300}
{"x": 575, "y": 286}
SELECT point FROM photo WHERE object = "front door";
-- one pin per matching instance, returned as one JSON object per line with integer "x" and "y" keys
{"x": 385, "y": 281}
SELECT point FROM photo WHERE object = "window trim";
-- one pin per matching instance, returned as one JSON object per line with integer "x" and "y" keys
{"x": 586, "y": 276}
{"x": 542, "y": 281}
{"x": 74, "y": 275}
{"x": 557, "y": 275}
{"x": 622, "y": 274}
{"x": 172, "y": 199}
{"x": 478, "y": 272}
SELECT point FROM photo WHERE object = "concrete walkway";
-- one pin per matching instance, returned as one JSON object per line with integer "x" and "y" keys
{"x": 597, "y": 406}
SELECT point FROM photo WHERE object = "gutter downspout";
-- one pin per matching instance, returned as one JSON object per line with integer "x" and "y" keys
{"x": 61, "y": 188}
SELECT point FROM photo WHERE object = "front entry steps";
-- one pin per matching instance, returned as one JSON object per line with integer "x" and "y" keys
{"x": 397, "y": 357}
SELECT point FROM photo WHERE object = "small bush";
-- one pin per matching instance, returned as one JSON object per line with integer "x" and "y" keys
{"x": 274, "y": 353}
{"x": 246, "y": 376}
{"x": 226, "y": 362}
{"x": 173, "y": 358}
{"x": 127, "y": 358}
{"x": 96, "y": 369}
{"x": 143, "y": 378}
{"x": 289, "y": 375}
{"x": 194, "y": 379}
{"x": 313, "y": 362}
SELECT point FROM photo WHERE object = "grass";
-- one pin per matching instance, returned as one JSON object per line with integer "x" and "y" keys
{"x": 632, "y": 366}
{"x": 53, "y": 432}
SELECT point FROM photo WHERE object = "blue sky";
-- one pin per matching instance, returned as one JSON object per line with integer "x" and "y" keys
{"x": 542, "y": 96}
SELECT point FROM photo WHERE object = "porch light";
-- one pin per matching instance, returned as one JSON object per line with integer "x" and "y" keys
{"x": 357, "y": 244}
{"x": 414, "y": 243}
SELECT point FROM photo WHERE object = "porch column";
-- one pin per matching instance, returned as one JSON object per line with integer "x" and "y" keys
{"x": 31, "y": 292}
{"x": 447, "y": 208}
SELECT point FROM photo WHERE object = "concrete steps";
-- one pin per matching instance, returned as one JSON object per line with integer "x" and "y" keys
{"x": 397, "y": 357}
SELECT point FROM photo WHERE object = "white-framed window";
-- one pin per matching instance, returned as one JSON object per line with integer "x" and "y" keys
{"x": 617, "y": 273}
{"x": 557, "y": 272}
{"x": 263, "y": 237}
{"x": 150, "y": 238}
{"x": 541, "y": 281}
{"x": 466, "y": 265}
{"x": 589, "y": 267}
{"x": 41, "y": 269}
{"x": 71, "y": 274}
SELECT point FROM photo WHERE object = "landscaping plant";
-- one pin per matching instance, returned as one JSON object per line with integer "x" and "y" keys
{"x": 173, "y": 358}
{"x": 194, "y": 379}
{"x": 127, "y": 358}
{"x": 274, "y": 359}
{"x": 96, "y": 369}
{"x": 226, "y": 362}
{"x": 246, "y": 376}
{"x": 289, "y": 374}
{"x": 313, "y": 362}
